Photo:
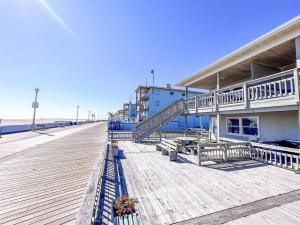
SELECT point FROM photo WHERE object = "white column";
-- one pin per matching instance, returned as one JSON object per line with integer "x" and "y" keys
{"x": 297, "y": 45}
{"x": 217, "y": 107}
{"x": 296, "y": 79}
{"x": 185, "y": 115}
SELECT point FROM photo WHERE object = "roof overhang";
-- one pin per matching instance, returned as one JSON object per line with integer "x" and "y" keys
{"x": 278, "y": 36}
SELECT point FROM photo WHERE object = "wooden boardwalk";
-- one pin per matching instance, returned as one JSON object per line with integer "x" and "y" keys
{"x": 43, "y": 179}
{"x": 182, "y": 192}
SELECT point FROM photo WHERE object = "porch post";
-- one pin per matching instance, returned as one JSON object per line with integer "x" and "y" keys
{"x": 296, "y": 78}
{"x": 297, "y": 45}
{"x": 185, "y": 115}
{"x": 217, "y": 107}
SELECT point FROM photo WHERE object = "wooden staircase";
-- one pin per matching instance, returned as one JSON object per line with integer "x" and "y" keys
{"x": 152, "y": 124}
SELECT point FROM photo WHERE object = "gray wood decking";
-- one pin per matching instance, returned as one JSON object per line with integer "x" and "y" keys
{"x": 171, "y": 192}
{"x": 43, "y": 179}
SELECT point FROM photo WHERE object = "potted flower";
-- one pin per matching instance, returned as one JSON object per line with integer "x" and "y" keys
{"x": 122, "y": 208}
{"x": 115, "y": 150}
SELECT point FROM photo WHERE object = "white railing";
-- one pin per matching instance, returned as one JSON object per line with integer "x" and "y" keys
{"x": 206, "y": 100}
{"x": 119, "y": 135}
{"x": 278, "y": 85}
{"x": 223, "y": 151}
{"x": 190, "y": 103}
{"x": 276, "y": 155}
{"x": 281, "y": 85}
{"x": 231, "y": 95}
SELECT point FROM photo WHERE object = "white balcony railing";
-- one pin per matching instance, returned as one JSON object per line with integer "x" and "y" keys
{"x": 279, "y": 85}
{"x": 231, "y": 95}
{"x": 272, "y": 87}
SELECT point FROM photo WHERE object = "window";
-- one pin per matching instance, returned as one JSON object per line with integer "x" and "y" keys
{"x": 157, "y": 103}
{"x": 250, "y": 126}
{"x": 243, "y": 126}
{"x": 171, "y": 93}
{"x": 233, "y": 125}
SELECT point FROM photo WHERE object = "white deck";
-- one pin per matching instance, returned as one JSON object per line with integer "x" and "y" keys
{"x": 170, "y": 192}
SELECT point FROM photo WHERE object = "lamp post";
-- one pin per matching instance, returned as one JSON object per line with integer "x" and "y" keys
{"x": 0, "y": 129}
{"x": 89, "y": 115}
{"x": 152, "y": 72}
{"x": 35, "y": 105}
{"x": 77, "y": 115}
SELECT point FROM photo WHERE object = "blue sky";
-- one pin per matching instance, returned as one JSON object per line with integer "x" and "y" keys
{"x": 94, "y": 53}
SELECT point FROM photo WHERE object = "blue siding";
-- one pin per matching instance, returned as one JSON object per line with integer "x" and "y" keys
{"x": 159, "y": 99}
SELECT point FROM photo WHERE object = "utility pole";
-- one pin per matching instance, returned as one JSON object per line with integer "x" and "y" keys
{"x": 89, "y": 115}
{"x": 35, "y": 105}
{"x": 152, "y": 72}
{"x": 77, "y": 115}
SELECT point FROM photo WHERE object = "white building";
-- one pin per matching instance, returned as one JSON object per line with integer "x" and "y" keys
{"x": 253, "y": 93}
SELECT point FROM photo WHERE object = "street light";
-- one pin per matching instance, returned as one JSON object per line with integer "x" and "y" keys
{"x": 35, "y": 105}
{"x": 77, "y": 115}
{"x": 152, "y": 72}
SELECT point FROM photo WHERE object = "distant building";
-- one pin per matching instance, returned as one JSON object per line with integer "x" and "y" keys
{"x": 151, "y": 99}
{"x": 129, "y": 112}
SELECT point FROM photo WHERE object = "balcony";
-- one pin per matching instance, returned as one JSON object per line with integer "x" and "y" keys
{"x": 278, "y": 90}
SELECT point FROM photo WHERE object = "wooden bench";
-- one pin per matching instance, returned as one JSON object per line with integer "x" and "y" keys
{"x": 168, "y": 147}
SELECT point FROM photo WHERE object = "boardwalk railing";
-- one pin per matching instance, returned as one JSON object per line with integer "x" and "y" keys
{"x": 283, "y": 85}
{"x": 119, "y": 135}
{"x": 223, "y": 151}
{"x": 128, "y": 135}
{"x": 276, "y": 155}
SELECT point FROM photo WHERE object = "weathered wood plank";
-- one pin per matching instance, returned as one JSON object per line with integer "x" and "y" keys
{"x": 170, "y": 192}
{"x": 44, "y": 179}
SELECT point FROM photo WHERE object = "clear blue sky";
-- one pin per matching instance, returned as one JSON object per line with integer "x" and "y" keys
{"x": 94, "y": 53}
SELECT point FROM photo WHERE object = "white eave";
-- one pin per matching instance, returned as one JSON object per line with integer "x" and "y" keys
{"x": 279, "y": 35}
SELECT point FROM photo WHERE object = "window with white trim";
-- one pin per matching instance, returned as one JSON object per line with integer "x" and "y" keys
{"x": 233, "y": 125}
{"x": 243, "y": 125}
{"x": 250, "y": 126}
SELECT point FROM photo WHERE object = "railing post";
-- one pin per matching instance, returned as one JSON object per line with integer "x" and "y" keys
{"x": 296, "y": 83}
{"x": 245, "y": 95}
{"x": 199, "y": 154}
{"x": 196, "y": 104}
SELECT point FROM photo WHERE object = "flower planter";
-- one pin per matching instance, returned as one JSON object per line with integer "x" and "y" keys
{"x": 130, "y": 219}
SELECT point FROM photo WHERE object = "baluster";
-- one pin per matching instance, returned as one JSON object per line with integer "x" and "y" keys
{"x": 280, "y": 90}
{"x": 285, "y": 87}
{"x": 274, "y": 91}
{"x": 292, "y": 85}
{"x": 260, "y": 92}
{"x": 252, "y": 93}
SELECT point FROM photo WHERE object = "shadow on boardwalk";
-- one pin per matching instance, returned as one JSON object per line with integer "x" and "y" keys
{"x": 236, "y": 165}
{"x": 113, "y": 186}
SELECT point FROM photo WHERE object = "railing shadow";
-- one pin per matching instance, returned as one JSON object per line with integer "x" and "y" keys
{"x": 181, "y": 159}
{"x": 113, "y": 185}
{"x": 44, "y": 133}
{"x": 235, "y": 165}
